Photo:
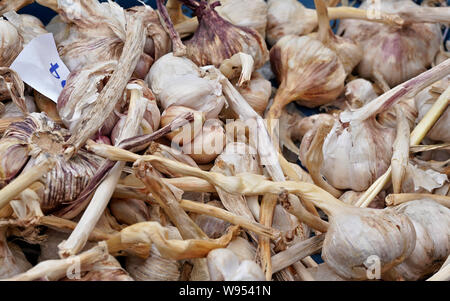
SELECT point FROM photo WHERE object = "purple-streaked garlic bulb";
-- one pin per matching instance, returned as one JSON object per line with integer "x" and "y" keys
{"x": 393, "y": 54}
{"x": 424, "y": 100}
{"x": 26, "y": 143}
{"x": 11, "y": 43}
{"x": 216, "y": 39}
{"x": 431, "y": 222}
{"x": 177, "y": 81}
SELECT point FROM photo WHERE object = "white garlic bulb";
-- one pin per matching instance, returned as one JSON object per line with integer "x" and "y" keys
{"x": 257, "y": 92}
{"x": 11, "y": 43}
{"x": 177, "y": 81}
{"x": 393, "y": 54}
{"x": 246, "y": 13}
{"x": 28, "y": 26}
{"x": 224, "y": 265}
{"x": 288, "y": 17}
{"x": 432, "y": 225}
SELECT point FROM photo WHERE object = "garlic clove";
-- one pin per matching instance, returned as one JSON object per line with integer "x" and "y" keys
{"x": 13, "y": 156}
{"x": 222, "y": 264}
{"x": 257, "y": 92}
{"x": 186, "y": 133}
{"x": 242, "y": 248}
{"x": 208, "y": 144}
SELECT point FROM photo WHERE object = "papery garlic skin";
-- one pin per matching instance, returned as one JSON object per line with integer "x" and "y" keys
{"x": 216, "y": 40}
{"x": 187, "y": 133}
{"x": 308, "y": 72}
{"x": 422, "y": 180}
{"x": 129, "y": 211}
{"x": 372, "y": 236}
{"x": 432, "y": 225}
{"x": 397, "y": 54}
{"x": 106, "y": 270}
{"x": 11, "y": 43}
{"x": 288, "y": 17}
{"x": 358, "y": 92}
{"x": 28, "y": 26}
{"x": 12, "y": 110}
{"x": 213, "y": 227}
{"x": 38, "y": 136}
{"x": 245, "y": 13}
{"x": 356, "y": 153}
{"x": 424, "y": 100}
{"x": 177, "y": 81}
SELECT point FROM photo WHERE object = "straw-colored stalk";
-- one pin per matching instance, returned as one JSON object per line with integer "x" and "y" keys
{"x": 397, "y": 199}
{"x": 102, "y": 195}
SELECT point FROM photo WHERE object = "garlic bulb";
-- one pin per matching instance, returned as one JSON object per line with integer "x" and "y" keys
{"x": 358, "y": 92}
{"x": 357, "y": 236}
{"x": 216, "y": 39}
{"x": 424, "y": 100}
{"x": 244, "y": 13}
{"x": 25, "y": 143}
{"x": 12, "y": 110}
{"x": 177, "y": 81}
{"x": 257, "y": 92}
{"x": 432, "y": 223}
{"x": 308, "y": 72}
{"x": 393, "y": 54}
{"x": 208, "y": 144}
{"x": 224, "y": 265}
{"x": 12, "y": 259}
{"x": 29, "y": 27}
{"x": 242, "y": 248}
{"x": 11, "y": 43}
{"x": 288, "y": 17}
{"x": 129, "y": 211}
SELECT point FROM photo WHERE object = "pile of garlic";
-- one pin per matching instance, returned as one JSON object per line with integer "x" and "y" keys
{"x": 173, "y": 150}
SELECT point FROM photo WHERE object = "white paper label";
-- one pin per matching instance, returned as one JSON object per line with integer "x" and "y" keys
{"x": 40, "y": 66}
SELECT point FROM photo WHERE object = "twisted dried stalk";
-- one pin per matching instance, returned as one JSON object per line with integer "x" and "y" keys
{"x": 414, "y": 85}
{"x": 109, "y": 96}
{"x": 24, "y": 180}
{"x": 97, "y": 206}
{"x": 426, "y": 148}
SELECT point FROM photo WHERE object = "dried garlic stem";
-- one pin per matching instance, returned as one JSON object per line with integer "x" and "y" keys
{"x": 268, "y": 204}
{"x": 400, "y": 156}
{"x": 225, "y": 215}
{"x": 97, "y": 206}
{"x": 111, "y": 93}
{"x": 245, "y": 184}
{"x": 396, "y": 199}
{"x": 426, "y": 148}
{"x": 15, "y": 86}
{"x": 54, "y": 270}
{"x": 240, "y": 63}
{"x": 138, "y": 239}
{"x": 422, "y": 14}
{"x": 13, "y": 5}
{"x": 416, "y": 137}
{"x": 64, "y": 225}
{"x": 178, "y": 48}
{"x": 297, "y": 252}
{"x": 24, "y": 180}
